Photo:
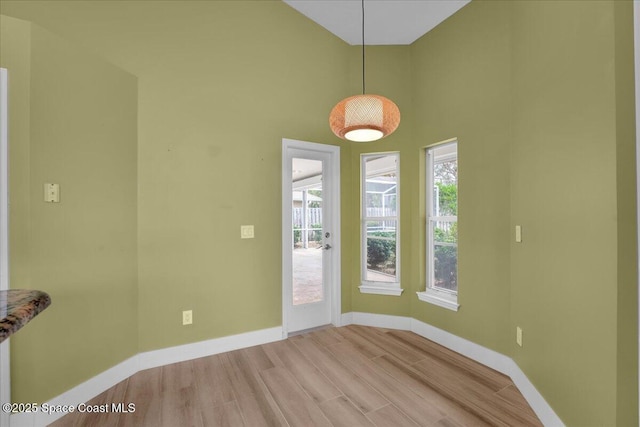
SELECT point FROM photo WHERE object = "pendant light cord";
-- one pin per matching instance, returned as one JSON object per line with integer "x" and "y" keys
{"x": 363, "y": 88}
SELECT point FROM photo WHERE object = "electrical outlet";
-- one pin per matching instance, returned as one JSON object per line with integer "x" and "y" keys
{"x": 187, "y": 317}
{"x": 246, "y": 232}
{"x": 519, "y": 335}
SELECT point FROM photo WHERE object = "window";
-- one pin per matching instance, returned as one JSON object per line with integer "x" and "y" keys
{"x": 380, "y": 224}
{"x": 442, "y": 226}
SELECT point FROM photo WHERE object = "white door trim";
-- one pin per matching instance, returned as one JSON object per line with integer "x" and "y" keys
{"x": 334, "y": 253}
{"x": 5, "y": 383}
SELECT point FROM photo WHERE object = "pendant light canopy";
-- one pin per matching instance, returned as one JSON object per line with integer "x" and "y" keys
{"x": 366, "y": 117}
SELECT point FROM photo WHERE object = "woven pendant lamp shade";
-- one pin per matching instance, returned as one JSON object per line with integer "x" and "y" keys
{"x": 364, "y": 118}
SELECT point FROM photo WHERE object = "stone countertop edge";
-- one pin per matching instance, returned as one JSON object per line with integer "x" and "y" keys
{"x": 18, "y": 307}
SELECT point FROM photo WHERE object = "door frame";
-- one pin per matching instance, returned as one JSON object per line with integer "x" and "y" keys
{"x": 287, "y": 233}
{"x": 5, "y": 384}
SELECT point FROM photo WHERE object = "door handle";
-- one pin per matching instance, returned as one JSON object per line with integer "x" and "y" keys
{"x": 327, "y": 247}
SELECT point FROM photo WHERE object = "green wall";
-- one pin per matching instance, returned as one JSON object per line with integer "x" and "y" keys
{"x": 565, "y": 277}
{"x": 539, "y": 95}
{"x": 15, "y": 54}
{"x": 461, "y": 80}
{"x": 212, "y": 119}
{"x": 627, "y": 363}
{"x": 82, "y": 251}
{"x": 388, "y": 74}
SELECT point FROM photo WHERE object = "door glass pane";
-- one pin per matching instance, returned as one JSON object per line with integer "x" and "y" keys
{"x": 308, "y": 286}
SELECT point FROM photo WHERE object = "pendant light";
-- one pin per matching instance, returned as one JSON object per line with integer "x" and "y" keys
{"x": 366, "y": 117}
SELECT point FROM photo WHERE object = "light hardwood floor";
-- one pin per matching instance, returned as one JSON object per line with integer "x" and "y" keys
{"x": 348, "y": 376}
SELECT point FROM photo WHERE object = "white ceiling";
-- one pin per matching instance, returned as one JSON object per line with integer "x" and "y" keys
{"x": 387, "y": 22}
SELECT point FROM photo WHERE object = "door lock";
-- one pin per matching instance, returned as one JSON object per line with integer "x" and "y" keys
{"x": 327, "y": 247}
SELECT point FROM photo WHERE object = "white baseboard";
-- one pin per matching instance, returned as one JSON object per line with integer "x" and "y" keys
{"x": 381, "y": 321}
{"x": 166, "y": 356}
{"x": 151, "y": 359}
{"x": 79, "y": 394}
{"x": 539, "y": 405}
{"x": 346, "y": 319}
{"x": 486, "y": 356}
{"x": 480, "y": 354}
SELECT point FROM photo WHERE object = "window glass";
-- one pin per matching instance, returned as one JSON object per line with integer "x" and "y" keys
{"x": 442, "y": 222}
{"x": 380, "y": 227}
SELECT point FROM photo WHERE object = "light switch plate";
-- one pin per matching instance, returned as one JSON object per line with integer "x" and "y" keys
{"x": 52, "y": 193}
{"x": 187, "y": 317}
{"x": 519, "y": 336}
{"x": 518, "y": 234}
{"x": 246, "y": 232}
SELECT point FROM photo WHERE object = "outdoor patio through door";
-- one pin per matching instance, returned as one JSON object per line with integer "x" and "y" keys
{"x": 310, "y": 257}
{"x": 308, "y": 238}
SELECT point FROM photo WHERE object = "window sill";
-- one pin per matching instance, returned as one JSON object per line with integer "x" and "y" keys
{"x": 440, "y": 299}
{"x": 393, "y": 289}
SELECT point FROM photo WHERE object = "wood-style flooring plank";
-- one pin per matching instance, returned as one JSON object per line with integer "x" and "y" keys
{"x": 298, "y": 408}
{"x": 225, "y": 415}
{"x": 179, "y": 396}
{"x": 350, "y": 376}
{"x": 144, "y": 389}
{"x": 448, "y": 422}
{"x": 363, "y": 396}
{"x": 365, "y": 346}
{"x": 415, "y": 381}
{"x": 475, "y": 397}
{"x": 390, "y": 345}
{"x": 257, "y": 407}
{"x": 260, "y": 359}
{"x": 480, "y": 373}
{"x": 326, "y": 337}
{"x": 341, "y": 412}
{"x": 212, "y": 382}
{"x": 512, "y": 395}
{"x": 270, "y": 352}
{"x": 390, "y": 416}
{"x": 312, "y": 380}
{"x": 421, "y": 411}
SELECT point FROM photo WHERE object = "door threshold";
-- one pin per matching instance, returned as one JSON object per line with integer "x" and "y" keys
{"x": 305, "y": 331}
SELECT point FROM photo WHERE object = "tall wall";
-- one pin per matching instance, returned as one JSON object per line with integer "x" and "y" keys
{"x": 627, "y": 363}
{"x": 565, "y": 277}
{"x": 15, "y": 54}
{"x": 236, "y": 77}
{"x": 219, "y": 85}
{"x": 73, "y": 122}
{"x": 538, "y": 94}
{"x": 388, "y": 74}
{"x": 461, "y": 88}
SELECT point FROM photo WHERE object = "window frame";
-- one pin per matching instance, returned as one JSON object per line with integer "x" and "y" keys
{"x": 441, "y": 297}
{"x": 371, "y": 286}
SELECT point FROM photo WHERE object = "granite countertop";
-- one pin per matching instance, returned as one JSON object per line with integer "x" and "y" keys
{"x": 18, "y": 307}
